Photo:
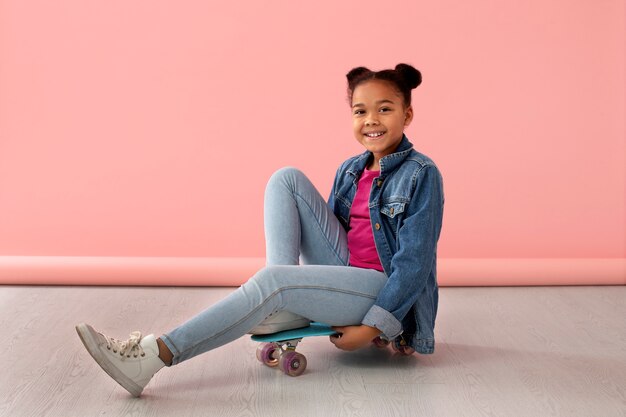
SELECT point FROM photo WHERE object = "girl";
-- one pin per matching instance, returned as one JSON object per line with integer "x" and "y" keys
{"x": 369, "y": 253}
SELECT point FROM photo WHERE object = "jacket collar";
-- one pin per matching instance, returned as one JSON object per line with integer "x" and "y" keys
{"x": 387, "y": 163}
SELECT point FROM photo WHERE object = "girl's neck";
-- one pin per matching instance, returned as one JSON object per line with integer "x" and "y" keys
{"x": 373, "y": 165}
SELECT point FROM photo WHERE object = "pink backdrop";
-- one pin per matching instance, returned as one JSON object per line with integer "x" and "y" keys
{"x": 148, "y": 129}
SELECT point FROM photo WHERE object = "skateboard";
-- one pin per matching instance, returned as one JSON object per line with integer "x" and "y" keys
{"x": 279, "y": 349}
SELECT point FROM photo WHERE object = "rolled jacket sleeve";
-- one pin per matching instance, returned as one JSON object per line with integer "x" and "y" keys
{"x": 412, "y": 263}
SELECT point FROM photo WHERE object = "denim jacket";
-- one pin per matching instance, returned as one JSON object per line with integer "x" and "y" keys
{"x": 406, "y": 211}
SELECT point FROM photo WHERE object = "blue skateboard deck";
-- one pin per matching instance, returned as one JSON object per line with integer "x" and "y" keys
{"x": 315, "y": 329}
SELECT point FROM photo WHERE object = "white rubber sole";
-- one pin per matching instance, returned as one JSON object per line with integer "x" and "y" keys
{"x": 269, "y": 328}
{"x": 89, "y": 338}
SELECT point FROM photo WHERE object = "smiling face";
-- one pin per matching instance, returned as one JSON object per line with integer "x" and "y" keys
{"x": 379, "y": 117}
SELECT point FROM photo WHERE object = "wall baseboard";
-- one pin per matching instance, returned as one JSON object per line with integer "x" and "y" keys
{"x": 180, "y": 271}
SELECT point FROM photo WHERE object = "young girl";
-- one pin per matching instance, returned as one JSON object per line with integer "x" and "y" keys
{"x": 369, "y": 253}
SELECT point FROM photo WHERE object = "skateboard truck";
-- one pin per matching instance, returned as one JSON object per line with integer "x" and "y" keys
{"x": 279, "y": 349}
{"x": 282, "y": 354}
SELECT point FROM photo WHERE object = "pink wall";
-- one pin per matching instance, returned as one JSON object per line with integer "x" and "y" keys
{"x": 149, "y": 129}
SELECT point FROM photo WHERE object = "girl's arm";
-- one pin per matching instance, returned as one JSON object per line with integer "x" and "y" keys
{"x": 331, "y": 196}
{"x": 353, "y": 337}
{"x": 413, "y": 262}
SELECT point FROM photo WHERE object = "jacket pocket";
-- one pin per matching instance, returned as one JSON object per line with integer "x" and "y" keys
{"x": 392, "y": 215}
{"x": 392, "y": 209}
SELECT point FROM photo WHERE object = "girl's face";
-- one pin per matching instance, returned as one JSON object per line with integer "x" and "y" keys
{"x": 379, "y": 117}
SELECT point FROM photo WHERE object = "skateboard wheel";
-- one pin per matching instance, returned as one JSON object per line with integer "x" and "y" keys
{"x": 292, "y": 363}
{"x": 400, "y": 346}
{"x": 380, "y": 343}
{"x": 265, "y": 354}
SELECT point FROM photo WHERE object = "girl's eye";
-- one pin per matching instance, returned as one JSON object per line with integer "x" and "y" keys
{"x": 385, "y": 109}
{"x": 358, "y": 112}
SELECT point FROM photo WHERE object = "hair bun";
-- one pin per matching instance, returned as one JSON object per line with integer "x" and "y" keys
{"x": 411, "y": 76}
{"x": 356, "y": 72}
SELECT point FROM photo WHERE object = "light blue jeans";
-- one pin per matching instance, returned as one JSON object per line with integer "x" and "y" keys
{"x": 299, "y": 225}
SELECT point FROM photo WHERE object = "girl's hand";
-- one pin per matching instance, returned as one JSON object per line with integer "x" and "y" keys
{"x": 353, "y": 337}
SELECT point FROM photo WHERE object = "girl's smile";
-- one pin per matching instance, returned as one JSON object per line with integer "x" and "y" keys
{"x": 374, "y": 135}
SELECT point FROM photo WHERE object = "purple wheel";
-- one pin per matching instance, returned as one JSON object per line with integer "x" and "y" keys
{"x": 265, "y": 353}
{"x": 380, "y": 343}
{"x": 400, "y": 346}
{"x": 292, "y": 363}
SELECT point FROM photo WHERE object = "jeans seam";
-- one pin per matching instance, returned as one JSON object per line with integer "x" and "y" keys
{"x": 299, "y": 287}
{"x": 320, "y": 227}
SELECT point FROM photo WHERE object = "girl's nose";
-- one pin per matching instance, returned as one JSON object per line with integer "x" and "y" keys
{"x": 371, "y": 121}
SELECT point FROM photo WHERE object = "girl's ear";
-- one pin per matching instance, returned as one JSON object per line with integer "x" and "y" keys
{"x": 408, "y": 116}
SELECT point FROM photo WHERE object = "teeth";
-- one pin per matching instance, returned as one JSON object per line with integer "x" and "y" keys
{"x": 373, "y": 135}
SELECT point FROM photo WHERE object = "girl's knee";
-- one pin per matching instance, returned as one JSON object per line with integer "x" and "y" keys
{"x": 266, "y": 277}
{"x": 287, "y": 176}
{"x": 275, "y": 278}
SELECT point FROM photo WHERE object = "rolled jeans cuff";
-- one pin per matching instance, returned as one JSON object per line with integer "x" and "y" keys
{"x": 383, "y": 321}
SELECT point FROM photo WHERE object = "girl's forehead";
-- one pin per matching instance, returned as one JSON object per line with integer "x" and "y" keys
{"x": 375, "y": 89}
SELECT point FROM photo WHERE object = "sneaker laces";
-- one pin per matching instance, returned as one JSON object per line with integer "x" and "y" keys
{"x": 126, "y": 348}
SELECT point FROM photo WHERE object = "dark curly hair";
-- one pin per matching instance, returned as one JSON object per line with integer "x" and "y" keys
{"x": 404, "y": 77}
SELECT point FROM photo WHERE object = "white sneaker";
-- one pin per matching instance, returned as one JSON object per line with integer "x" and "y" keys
{"x": 132, "y": 362}
{"x": 283, "y": 320}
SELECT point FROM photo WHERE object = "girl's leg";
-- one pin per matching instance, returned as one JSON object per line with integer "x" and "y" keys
{"x": 298, "y": 226}
{"x": 299, "y": 223}
{"x": 337, "y": 295}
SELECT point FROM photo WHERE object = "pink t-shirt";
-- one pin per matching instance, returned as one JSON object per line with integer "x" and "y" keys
{"x": 360, "y": 238}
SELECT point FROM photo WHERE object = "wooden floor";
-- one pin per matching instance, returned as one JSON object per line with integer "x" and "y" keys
{"x": 501, "y": 351}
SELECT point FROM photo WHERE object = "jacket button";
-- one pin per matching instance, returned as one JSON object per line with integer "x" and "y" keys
{"x": 391, "y": 211}
{"x": 377, "y": 226}
{"x": 379, "y": 182}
